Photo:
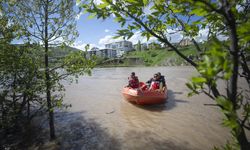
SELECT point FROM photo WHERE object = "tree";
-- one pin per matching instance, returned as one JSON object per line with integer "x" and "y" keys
{"x": 139, "y": 45}
{"x": 50, "y": 24}
{"x": 20, "y": 81}
{"x": 218, "y": 60}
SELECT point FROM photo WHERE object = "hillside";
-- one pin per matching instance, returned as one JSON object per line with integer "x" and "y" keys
{"x": 162, "y": 56}
{"x": 55, "y": 51}
{"x": 61, "y": 51}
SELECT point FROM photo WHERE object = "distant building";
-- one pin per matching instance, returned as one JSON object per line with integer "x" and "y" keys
{"x": 121, "y": 47}
{"x": 107, "y": 53}
{"x": 111, "y": 50}
{"x": 185, "y": 42}
{"x": 93, "y": 51}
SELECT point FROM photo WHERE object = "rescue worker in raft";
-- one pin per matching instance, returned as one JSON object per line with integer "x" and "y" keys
{"x": 162, "y": 80}
{"x": 154, "y": 83}
{"x": 157, "y": 83}
{"x": 133, "y": 81}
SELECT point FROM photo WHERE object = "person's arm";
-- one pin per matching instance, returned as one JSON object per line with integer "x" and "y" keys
{"x": 163, "y": 81}
{"x": 149, "y": 81}
{"x": 129, "y": 82}
{"x": 150, "y": 86}
{"x": 137, "y": 80}
{"x": 161, "y": 85}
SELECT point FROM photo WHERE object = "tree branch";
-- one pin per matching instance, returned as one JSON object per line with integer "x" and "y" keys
{"x": 157, "y": 36}
{"x": 184, "y": 29}
{"x": 245, "y": 68}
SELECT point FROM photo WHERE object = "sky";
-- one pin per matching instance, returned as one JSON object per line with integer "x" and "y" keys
{"x": 97, "y": 33}
{"x": 94, "y": 31}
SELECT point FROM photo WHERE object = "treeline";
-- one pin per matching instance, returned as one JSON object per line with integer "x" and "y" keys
{"x": 22, "y": 86}
{"x": 30, "y": 73}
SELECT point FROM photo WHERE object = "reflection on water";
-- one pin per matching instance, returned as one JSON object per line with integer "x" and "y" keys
{"x": 101, "y": 119}
{"x": 80, "y": 133}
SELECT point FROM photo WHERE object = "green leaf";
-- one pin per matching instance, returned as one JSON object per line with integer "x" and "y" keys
{"x": 131, "y": 1}
{"x": 145, "y": 2}
{"x": 198, "y": 12}
{"x": 78, "y": 1}
{"x": 190, "y": 94}
{"x": 199, "y": 80}
{"x": 232, "y": 123}
{"x": 193, "y": 88}
{"x": 103, "y": 5}
{"x": 227, "y": 104}
{"x": 91, "y": 16}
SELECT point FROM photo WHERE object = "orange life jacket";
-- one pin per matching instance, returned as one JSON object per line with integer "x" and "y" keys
{"x": 155, "y": 85}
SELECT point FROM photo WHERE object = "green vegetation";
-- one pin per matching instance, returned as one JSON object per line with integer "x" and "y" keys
{"x": 150, "y": 57}
{"x": 159, "y": 57}
{"x": 53, "y": 24}
{"x": 61, "y": 51}
{"x": 31, "y": 73}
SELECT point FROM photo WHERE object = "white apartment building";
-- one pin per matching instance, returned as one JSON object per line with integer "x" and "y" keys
{"x": 121, "y": 47}
{"x": 111, "y": 50}
{"x": 107, "y": 53}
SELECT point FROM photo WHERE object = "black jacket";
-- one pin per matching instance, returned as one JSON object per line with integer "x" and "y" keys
{"x": 162, "y": 80}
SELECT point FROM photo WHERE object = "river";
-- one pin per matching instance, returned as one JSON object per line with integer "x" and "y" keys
{"x": 101, "y": 119}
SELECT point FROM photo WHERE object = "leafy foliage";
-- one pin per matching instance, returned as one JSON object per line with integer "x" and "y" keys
{"x": 21, "y": 81}
{"x": 30, "y": 73}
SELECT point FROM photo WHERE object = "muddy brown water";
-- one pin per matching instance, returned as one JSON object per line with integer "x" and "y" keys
{"x": 101, "y": 119}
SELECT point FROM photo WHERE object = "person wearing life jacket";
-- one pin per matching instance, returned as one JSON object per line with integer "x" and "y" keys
{"x": 133, "y": 81}
{"x": 155, "y": 83}
{"x": 162, "y": 80}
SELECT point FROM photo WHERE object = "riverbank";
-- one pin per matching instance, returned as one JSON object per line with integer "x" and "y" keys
{"x": 153, "y": 57}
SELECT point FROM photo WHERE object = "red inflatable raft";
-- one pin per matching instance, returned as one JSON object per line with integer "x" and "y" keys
{"x": 142, "y": 96}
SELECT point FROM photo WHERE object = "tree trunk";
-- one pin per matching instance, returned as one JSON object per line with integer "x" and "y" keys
{"x": 48, "y": 85}
{"x": 232, "y": 86}
{"x": 14, "y": 93}
{"x": 3, "y": 120}
{"x": 242, "y": 139}
{"x": 246, "y": 71}
{"x": 28, "y": 109}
